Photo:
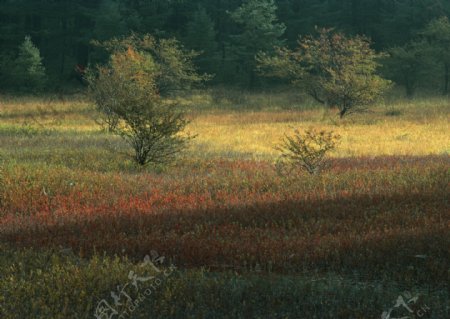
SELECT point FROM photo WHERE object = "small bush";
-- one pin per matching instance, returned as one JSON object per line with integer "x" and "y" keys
{"x": 127, "y": 97}
{"x": 307, "y": 151}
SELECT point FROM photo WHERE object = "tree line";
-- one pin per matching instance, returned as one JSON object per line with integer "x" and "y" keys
{"x": 58, "y": 35}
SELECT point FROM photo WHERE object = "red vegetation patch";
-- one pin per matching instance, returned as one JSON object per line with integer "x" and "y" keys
{"x": 367, "y": 215}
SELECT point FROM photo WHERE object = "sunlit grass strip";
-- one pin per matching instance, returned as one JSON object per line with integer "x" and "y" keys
{"x": 420, "y": 128}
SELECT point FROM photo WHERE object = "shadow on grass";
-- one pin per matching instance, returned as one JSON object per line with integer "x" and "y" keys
{"x": 402, "y": 236}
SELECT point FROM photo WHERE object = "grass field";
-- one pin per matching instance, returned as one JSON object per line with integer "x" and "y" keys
{"x": 77, "y": 216}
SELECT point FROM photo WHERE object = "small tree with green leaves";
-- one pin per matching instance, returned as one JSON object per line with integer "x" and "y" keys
{"x": 28, "y": 70}
{"x": 126, "y": 94}
{"x": 174, "y": 68}
{"x": 335, "y": 70}
{"x": 307, "y": 151}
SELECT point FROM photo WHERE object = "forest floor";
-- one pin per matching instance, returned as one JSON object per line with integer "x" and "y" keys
{"x": 228, "y": 236}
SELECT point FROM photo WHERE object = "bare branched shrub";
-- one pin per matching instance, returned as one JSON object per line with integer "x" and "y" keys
{"x": 307, "y": 151}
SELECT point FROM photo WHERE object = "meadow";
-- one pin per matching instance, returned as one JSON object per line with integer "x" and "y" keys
{"x": 77, "y": 216}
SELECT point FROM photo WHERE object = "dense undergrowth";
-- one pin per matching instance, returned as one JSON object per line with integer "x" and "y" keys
{"x": 75, "y": 219}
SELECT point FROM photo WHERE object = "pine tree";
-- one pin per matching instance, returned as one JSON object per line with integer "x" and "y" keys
{"x": 260, "y": 31}
{"x": 109, "y": 22}
{"x": 407, "y": 65}
{"x": 201, "y": 37}
{"x": 438, "y": 34}
{"x": 29, "y": 72}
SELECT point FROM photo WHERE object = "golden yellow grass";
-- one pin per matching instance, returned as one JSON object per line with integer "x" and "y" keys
{"x": 421, "y": 128}
{"x": 259, "y": 133}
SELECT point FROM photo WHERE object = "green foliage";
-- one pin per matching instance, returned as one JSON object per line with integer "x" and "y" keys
{"x": 438, "y": 34}
{"x": 6, "y": 62}
{"x": 56, "y": 284}
{"x": 126, "y": 95}
{"x": 260, "y": 27}
{"x": 173, "y": 69}
{"x": 335, "y": 70}
{"x": 28, "y": 70}
{"x": 109, "y": 23}
{"x": 408, "y": 64}
{"x": 64, "y": 28}
{"x": 59, "y": 284}
{"x": 201, "y": 37}
{"x": 259, "y": 31}
{"x": 307, "y": 150}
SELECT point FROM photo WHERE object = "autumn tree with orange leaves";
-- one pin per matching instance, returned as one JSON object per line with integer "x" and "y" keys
{"x": 127, "y": 93}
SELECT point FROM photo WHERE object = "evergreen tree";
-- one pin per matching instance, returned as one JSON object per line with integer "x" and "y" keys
{"x": 401, "y": 20}
{"x": 109, "y": 21}
{"x": 438, "y": 34}
{"x": 259, "y": 31}
{"x": 154, "y": 15}
{"x": 29, "y": 72}
{"x": 408, "y": 64}
{"x": 64, "y": 28}
{"x": 201, "y": 37}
